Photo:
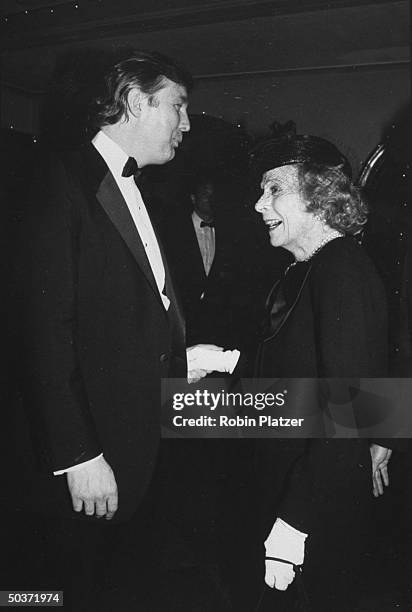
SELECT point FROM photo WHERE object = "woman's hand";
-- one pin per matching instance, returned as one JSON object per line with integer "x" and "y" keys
{"x": 285, "y": 547}
{"x": 380, "y": 460}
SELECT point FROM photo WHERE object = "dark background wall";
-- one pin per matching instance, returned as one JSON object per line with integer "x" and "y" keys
{"x": 351, "y": 108}
{"x": 339, "y": 69}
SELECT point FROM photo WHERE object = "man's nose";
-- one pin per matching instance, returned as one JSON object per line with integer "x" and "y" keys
{"x": 184, "y": 124}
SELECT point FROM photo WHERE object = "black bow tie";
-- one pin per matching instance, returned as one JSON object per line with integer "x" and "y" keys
{"x": 207, "y": 224}
{"x": 130, "y": 168}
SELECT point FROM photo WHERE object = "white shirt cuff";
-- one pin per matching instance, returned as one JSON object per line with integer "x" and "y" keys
{"x": 74, "y": 468}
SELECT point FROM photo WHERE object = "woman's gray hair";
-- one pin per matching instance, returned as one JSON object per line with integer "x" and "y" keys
{"x": 330, "y": 194}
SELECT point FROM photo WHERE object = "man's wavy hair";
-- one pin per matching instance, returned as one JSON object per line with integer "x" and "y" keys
{"x": 142, "y": 69}
{"x": 324, "y": 174}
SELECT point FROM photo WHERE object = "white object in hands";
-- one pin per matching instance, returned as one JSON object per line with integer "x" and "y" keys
{"x": 283, "y": 542}
{"x": 212, "y": 358}
{"x": 194, "y": 371}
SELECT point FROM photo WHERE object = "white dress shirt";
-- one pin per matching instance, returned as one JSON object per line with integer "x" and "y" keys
{"x": 206, "y": 240}
{"x": 116, "y": 158}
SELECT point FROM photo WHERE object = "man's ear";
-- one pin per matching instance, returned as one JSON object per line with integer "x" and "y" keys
{"x": 134, "y": 101}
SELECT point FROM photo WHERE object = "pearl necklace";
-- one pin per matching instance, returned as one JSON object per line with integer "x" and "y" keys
{"x": 334, "y": 234}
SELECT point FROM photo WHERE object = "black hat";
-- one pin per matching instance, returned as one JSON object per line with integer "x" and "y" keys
{"x": 286, "y": 147}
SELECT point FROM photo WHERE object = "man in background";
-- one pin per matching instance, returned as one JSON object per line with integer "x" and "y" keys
{"x": 210, "y": 249}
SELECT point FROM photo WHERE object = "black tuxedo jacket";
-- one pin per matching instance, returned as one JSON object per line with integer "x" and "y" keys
{"x": 97, "y": 338}
{"x": 186, "y": 259}
{"x": 223, "y": 315}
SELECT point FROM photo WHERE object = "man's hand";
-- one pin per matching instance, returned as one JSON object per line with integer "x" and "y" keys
{"x": 193, "y": 376}
{"x": 380, "y": 460}
{"x": 94, "y": 488}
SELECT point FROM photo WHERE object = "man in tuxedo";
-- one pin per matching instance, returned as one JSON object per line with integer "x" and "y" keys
{"x": 208, "y": 244}
{"x": 100, "y": 321}
{"x": 191, "y": 245}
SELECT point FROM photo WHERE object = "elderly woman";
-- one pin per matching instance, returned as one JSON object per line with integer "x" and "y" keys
{"x": 325, "y": 319}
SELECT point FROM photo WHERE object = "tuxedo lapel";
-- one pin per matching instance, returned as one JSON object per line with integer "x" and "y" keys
{"x": 219, "y": 256}
{"x": 176, "y": 319}
{"x": 195, "y": 260}
{"x": 109, "y": 196}
{"x": 112, "y": 201}
{"x": 170, "y": 287}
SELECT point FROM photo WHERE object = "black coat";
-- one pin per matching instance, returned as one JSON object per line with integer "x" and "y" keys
{"x": 328, "y": 322}
{"x": 96, "y": 336}
{"x": 332, "y": 324}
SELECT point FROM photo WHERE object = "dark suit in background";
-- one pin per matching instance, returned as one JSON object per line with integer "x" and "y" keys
{"x": 219, "y": 305}
{"x": 220, "y": 308}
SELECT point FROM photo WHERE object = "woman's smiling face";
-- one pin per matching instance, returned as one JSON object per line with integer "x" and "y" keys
{"x": 283, "y": 209}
